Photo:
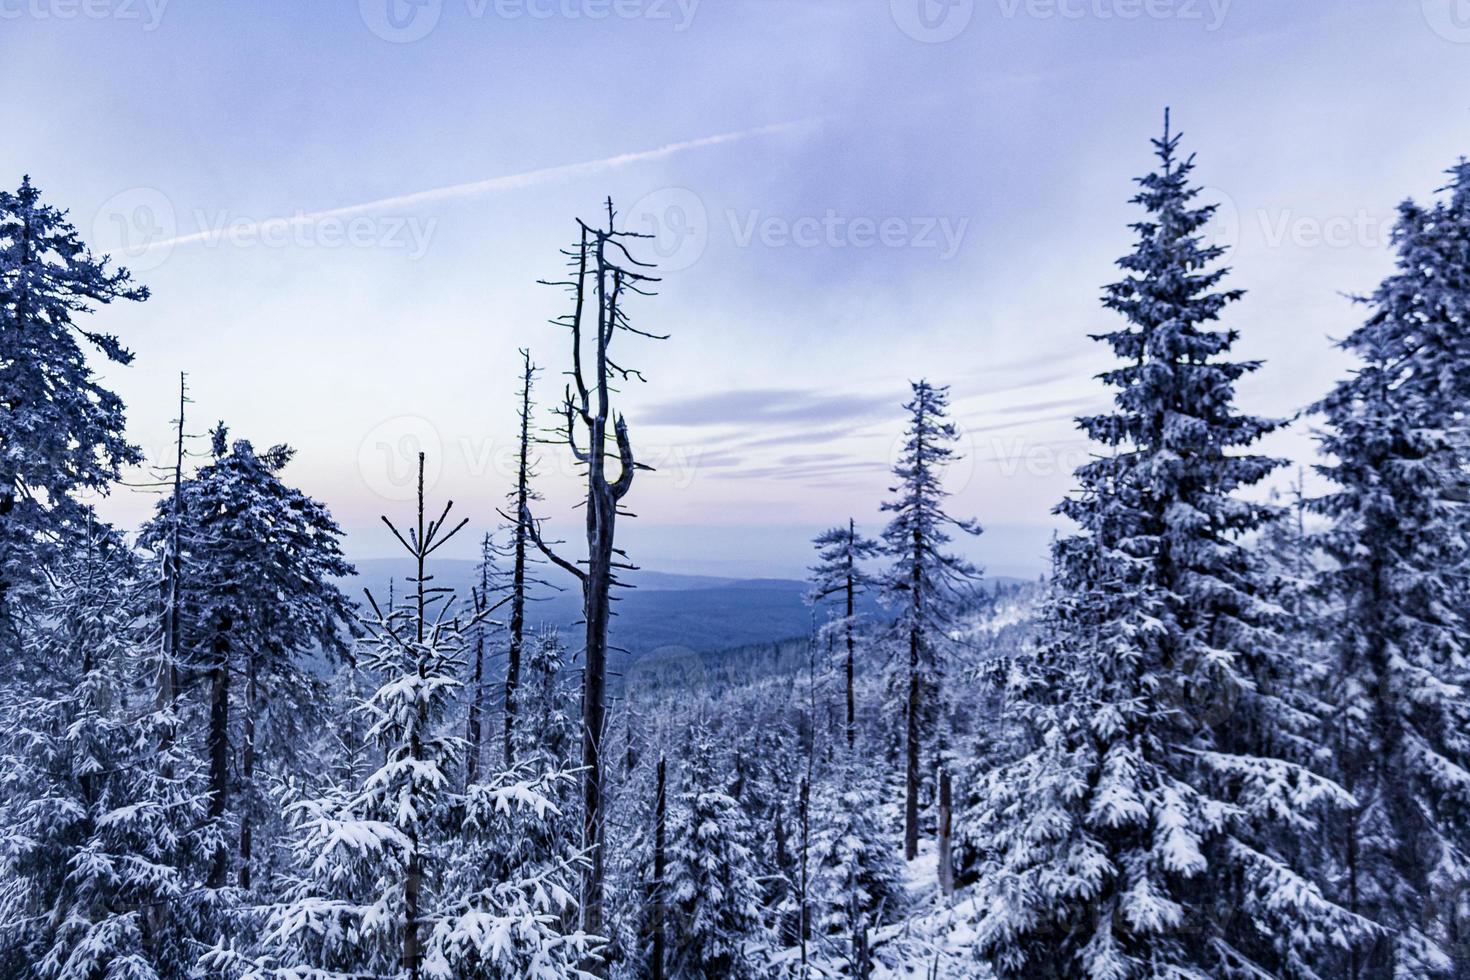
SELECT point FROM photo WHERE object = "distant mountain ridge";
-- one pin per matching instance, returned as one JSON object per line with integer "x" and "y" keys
{"x": 662, "y": 614}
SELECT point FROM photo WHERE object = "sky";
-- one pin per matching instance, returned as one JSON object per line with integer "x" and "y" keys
{"x": 342, "y": 210}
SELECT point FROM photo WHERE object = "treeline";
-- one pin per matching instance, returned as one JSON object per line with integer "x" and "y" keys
{"x": 1226, "y": 737}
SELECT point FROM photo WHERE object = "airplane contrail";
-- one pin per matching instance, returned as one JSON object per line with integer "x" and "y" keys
{"x": 509, "y": 182}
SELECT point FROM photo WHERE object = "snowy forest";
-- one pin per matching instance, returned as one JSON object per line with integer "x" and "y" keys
{"x": 1226, "y": 736}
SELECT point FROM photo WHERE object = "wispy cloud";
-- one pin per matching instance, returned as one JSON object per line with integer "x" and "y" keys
{"x": 767, "y": 406}
{"x": 508, "y": 182}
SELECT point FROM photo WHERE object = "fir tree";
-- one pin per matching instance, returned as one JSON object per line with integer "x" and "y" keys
{"x": 857, "y": 873}
{"x": 713, "y": 895}
{"x": 1150, "y": 830}
{"x": 1396, "y": 437}
{"x": 839, "y": 575}
{"x": 99, "y": 823}
{"x": 379, "y": 892}
{"x": 61, "y": 431}
{"x": 927, "y": 584}
{"x": 261, "y": 558}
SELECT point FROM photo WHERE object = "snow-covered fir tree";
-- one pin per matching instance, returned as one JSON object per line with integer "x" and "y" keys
{"x": 714, "y": 912}
{"x": 103, "y": 812}
{"x": 381, "y": 889}
{"x": 857, "y": 873}
{"x": 927, "y": 585}
{"x": 838, "y": 579}
{"x": 1395, "y": 434}
{"x": 61, "y": 430}
{"x": 260, "y": 560}
{"x": 1149, "y": 830}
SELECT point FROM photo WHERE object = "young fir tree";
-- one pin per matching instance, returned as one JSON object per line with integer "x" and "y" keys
{"x": 926, "y": 584}
{"x": 839, "y": 576}
{"x": 383, "y": 888}
{"x": 1150, "y": 830}
{"x": 61, "y": 431}
{"x": 714, "y": 912}
{"x": 1395, "y": 431}
{"x": 856, "y": 871}
{"x": 261, "y": 558}
{"x": 99, "y": 822}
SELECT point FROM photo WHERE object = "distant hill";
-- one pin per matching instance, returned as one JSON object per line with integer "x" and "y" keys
{"x": 663, "y": 614}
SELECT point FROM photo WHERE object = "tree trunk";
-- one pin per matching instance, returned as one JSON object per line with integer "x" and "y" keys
{"x": 911, "y": 772}
{"x": 946, "y": 814}
{"x": 851, "y": 609}
{"x": 218, "y": 745}
{"x": 518, "y": 569}
{"x": 247, "y": 776}
{"x": 660, "y": 813}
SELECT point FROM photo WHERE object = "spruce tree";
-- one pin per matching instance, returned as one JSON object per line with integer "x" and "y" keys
{"x": 61, "y": 430}
{"x": 385, "y": 883}
{"x": 928, "y": 585}
{"x": 1395, "y": 436}
{"x": 839, "y": 576}
{"x": 1150, "y": 829}
{"x": 261, "y": 559}
{"x": 99, "y": 825}
{"x": 713, "y": 896}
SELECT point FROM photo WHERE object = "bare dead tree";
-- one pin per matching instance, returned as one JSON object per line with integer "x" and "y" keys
{"x": 168, "y": 667}
{"x": 603, "y": 275}
{"x": 523, "y": 495}
{"x": 474, "y": 727}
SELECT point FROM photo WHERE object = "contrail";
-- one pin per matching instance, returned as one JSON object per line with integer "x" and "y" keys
{"x": 509, "y": 182}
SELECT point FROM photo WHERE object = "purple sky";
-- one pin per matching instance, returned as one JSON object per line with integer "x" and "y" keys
{"x": 342, "y": 209}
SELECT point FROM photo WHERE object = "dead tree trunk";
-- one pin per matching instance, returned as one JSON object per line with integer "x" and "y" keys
{"x": 523, "y": 497}
{"x": 474, "y": 729}
{"x": 851, "y": 584}
{"x": 656, "y": 896}
{"x": 168, "y": 668}
{"x": 946, "y": 828}
{"x": 603, "y": 273}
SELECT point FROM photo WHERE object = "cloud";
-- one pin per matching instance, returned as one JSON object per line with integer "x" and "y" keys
{"x": 767, "y": 406}
{"x": 508, "y": 182}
